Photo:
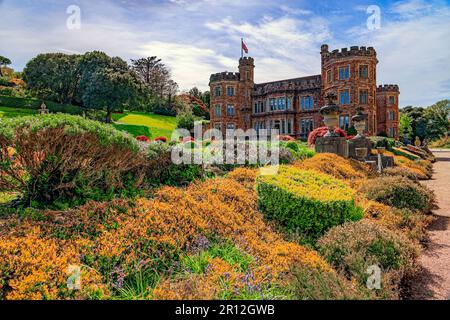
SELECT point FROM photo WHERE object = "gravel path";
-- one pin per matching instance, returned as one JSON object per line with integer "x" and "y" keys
{"x": 433, "y": 281}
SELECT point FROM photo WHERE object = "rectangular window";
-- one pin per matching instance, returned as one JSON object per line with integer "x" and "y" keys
{"x": 273, "y": 104}
{"x": 329, "y": 76}
{"x": 230, "y": 110}
{"x": 391, "y": 115}
{"x": 344, "y": 73}
{"x": 363, "y": 72}
{"x": 281, "y": 102}
{"x": 218, "y": 126}
{"x": 217, "y": 92}
{"x": 391, "y": 132}
{"x": 218, "y": 111}
{"x": 231, "y": 126}
{"x": 307, "y": 103}
{"x": 391, "y": 100}
{"x": 363, "y": 94}
{"x": 289, "y": 103}
{"x": 230, "y": 91}
{"x": 344, "y": 97}
{"x": 306, "y": 126}
{"x": 344, "y": 122}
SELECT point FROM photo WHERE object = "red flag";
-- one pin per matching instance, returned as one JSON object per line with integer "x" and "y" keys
{"x": 244, "y": 47}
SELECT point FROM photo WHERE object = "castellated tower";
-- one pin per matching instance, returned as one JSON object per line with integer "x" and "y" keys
{"x": 387, "y": 110}
{"x": 351, "y": 75}
{"x": 231, "y": 97}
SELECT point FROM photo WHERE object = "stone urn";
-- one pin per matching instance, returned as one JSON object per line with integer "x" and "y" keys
{"x": 330, "y": 113}
{"x": 359, "y": 122}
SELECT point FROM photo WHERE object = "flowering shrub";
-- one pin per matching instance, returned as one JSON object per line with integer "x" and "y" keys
{"x": 422, "y": 168}
{"x": 353, "y": 247}
{"x": 61, "y": 158}
{"x": 338, "y": 167}
{"x": 306, "y": 201}
{"x": 188, "y": 139}
{"x": 402, "y": 172}
{"x": 286, "y": 138}
{"x": 404, "y": 153}
{"x": 321, "y": 131}
{"x": 399, "y": 192}
{"x": 143, "y": 138}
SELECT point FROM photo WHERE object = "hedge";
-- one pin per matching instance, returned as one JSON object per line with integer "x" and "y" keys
{"x": 307, "y": 202}
{"x": 28, "y": 103}
{"x": 404, "y": 153}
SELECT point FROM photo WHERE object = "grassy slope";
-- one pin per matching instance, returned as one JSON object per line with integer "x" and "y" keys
{"x": 8, "y": 112}
{"x": 159, "y": 125}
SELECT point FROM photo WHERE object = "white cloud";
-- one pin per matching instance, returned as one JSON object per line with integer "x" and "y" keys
{"x": 413, "y": 53}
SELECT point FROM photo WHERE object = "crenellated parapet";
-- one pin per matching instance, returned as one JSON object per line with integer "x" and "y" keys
{"x": 247, "y": 61}
{"x": 224, "y": 76}
{"x": 388, "y": 88}
{"x": 354, "y": 51}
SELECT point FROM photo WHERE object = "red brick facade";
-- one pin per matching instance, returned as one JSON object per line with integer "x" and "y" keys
{"x": 292, "y": 105}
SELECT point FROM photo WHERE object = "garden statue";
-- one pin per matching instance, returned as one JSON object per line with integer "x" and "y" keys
{"x": 359, "y": 122}
{"x": 330, "y": 113}
{"x": 359, "y": 141}
{"x": 331, "y": 142}
{"x": 417, "y": 142}
{"x": 43, "y": 109}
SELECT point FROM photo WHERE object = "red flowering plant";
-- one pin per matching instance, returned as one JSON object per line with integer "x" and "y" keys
{"x": 142, "y": 139}
{"x": 162, "y": 139}
{"x": 320, "y": 132}
{"x": 188, "y": 139}
{"x": 286, "y": 138}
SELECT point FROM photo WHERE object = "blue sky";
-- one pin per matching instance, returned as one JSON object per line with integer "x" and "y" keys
{"x": 198, "y": 37}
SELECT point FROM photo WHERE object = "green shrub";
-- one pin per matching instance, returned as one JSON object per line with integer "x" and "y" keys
{"x": 65, "y": 160}
{"x": 298, "y": 150}
{"x": 404, "y": 153}
{"x": 399, "y": 192}
{"x": 354, "y": 247}
{"x": 382, "y": 142}
{"x": 29, "y": 103}
{"x": 315, "y": 284}
{"x": 306, "y": 202}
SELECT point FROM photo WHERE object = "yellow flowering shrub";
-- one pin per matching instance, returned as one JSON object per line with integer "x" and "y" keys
{"x": 306, "y": 201}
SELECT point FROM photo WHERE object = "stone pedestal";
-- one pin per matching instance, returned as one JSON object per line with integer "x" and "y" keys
{"x": 337, "y": 145}
{"x": 361, "y": 142}
{"x": 386, "y": 161}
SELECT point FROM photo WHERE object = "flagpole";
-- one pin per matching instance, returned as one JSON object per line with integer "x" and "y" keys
{"x": 242, "y": 49}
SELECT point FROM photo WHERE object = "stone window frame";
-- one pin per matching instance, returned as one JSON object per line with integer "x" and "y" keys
{"x": 233, "y": 91}
{"x": 218, "y": 107}
{"x": 330, "y": 75}
{"x": 349, "y": 96}
{"x": 232, "y": 114}
{"x": 218, "y": 126}
{"x": 310, "y": 102}
{"x": 349, "y": 72}
{"x": 367, "y": 96}
{"x": 307, "y": 120}
{"x": 219, "y": 90}
{"x": 389, "y": 100}
{"x": 391, "y": 115}
{"x": 391, "y": 132}
{"x": 359, "y": 71}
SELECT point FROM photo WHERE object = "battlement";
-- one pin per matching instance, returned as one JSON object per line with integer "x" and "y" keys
{"x": 247, "y": 61}
{"x": 347, "y": 52}
{"x": 224, "y": 76}
{"x": 388, "y": 88}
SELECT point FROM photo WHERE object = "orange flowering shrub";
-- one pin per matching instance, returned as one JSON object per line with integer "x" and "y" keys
{"x": 423, "y": 169}
{"x": 338, "y": 167}
{"x": 34, "y": 269}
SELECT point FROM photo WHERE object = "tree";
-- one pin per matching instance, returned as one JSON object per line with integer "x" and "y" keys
{"x": 171, "y": 91}
{"x": 438, "y": 119}
{"x": 196, "y": 93}
{"x": 107, "y": 83}
{"x": 405, "y": 124}
{"x": 53, "y": 76}
{"x": 3, "y": 63}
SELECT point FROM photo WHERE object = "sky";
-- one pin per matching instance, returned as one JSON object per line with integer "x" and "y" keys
{"x": 196, "y": 38}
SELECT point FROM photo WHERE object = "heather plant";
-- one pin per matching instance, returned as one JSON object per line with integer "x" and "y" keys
{"x": 60, "y": 158}
{"x": 399, "y": 192}
{"x": 354, "y": 247}
{"x": 306, "y": 202}
{"x": 401, "y": 172}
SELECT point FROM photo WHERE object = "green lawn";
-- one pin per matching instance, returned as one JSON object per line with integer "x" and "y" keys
{"x": 136, "y": 123}
{"x": 7, "y": 112}
{"x": 157, "y": 124}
